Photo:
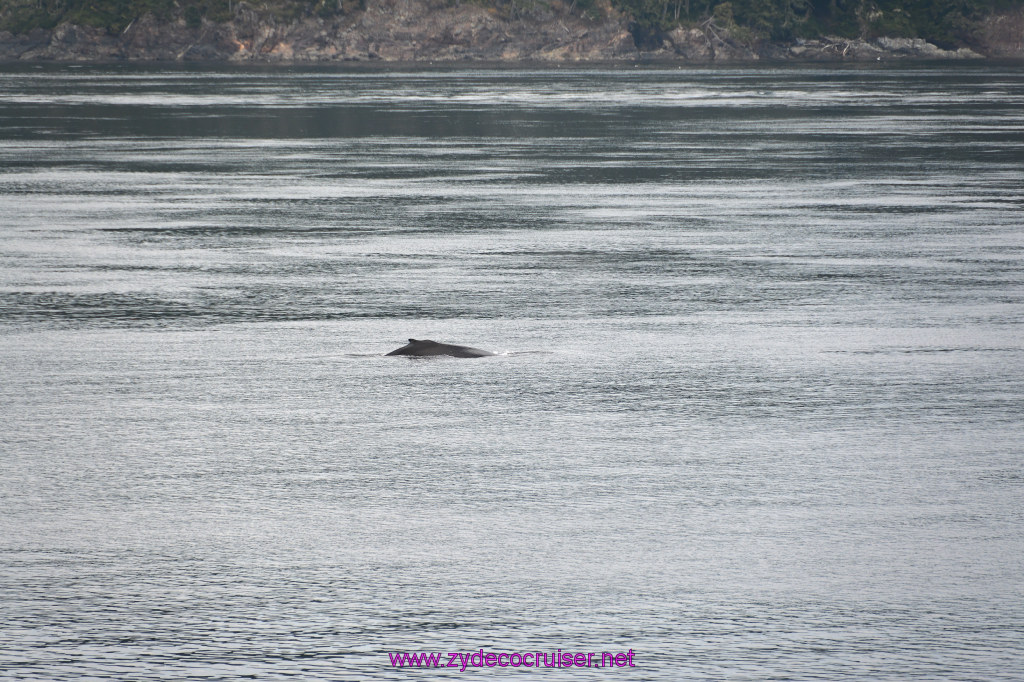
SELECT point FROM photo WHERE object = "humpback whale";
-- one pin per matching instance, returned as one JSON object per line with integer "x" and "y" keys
{"x": 426, "y": 347}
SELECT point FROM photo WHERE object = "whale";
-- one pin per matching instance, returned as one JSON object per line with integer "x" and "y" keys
{"x": 426, "y": 348}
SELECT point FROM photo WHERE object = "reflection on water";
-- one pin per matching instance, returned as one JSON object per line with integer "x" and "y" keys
{"x": 755, "y": 412}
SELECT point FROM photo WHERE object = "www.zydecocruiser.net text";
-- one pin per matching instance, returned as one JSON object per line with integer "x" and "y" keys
{"x": 528, "y": 659}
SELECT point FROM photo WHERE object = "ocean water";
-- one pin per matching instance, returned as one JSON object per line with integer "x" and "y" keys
{"x": 756, "y": 412}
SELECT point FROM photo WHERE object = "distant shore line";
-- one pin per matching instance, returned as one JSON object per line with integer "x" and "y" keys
{"x": 410, "y": 32}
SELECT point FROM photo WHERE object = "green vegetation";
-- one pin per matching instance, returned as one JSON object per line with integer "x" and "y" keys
{"x": 947, "y": 23}
{"x": 20, "y": 16}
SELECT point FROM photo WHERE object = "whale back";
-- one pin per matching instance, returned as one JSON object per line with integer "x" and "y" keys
{"x": 426, "y": 348}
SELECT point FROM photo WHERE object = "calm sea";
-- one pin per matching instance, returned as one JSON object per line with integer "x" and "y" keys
{"x": 756, "y": 413}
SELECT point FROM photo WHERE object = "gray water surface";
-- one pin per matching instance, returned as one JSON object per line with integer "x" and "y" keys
{"x": 756, "y": 412}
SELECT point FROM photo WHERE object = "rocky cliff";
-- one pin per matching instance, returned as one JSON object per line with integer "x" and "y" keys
{"x": 436, "y": 31}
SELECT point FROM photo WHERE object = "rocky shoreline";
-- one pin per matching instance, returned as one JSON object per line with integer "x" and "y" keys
{"x": 434, "y": 31}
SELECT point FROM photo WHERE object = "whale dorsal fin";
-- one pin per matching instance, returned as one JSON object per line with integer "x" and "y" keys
{"x": 412, "y": 340}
